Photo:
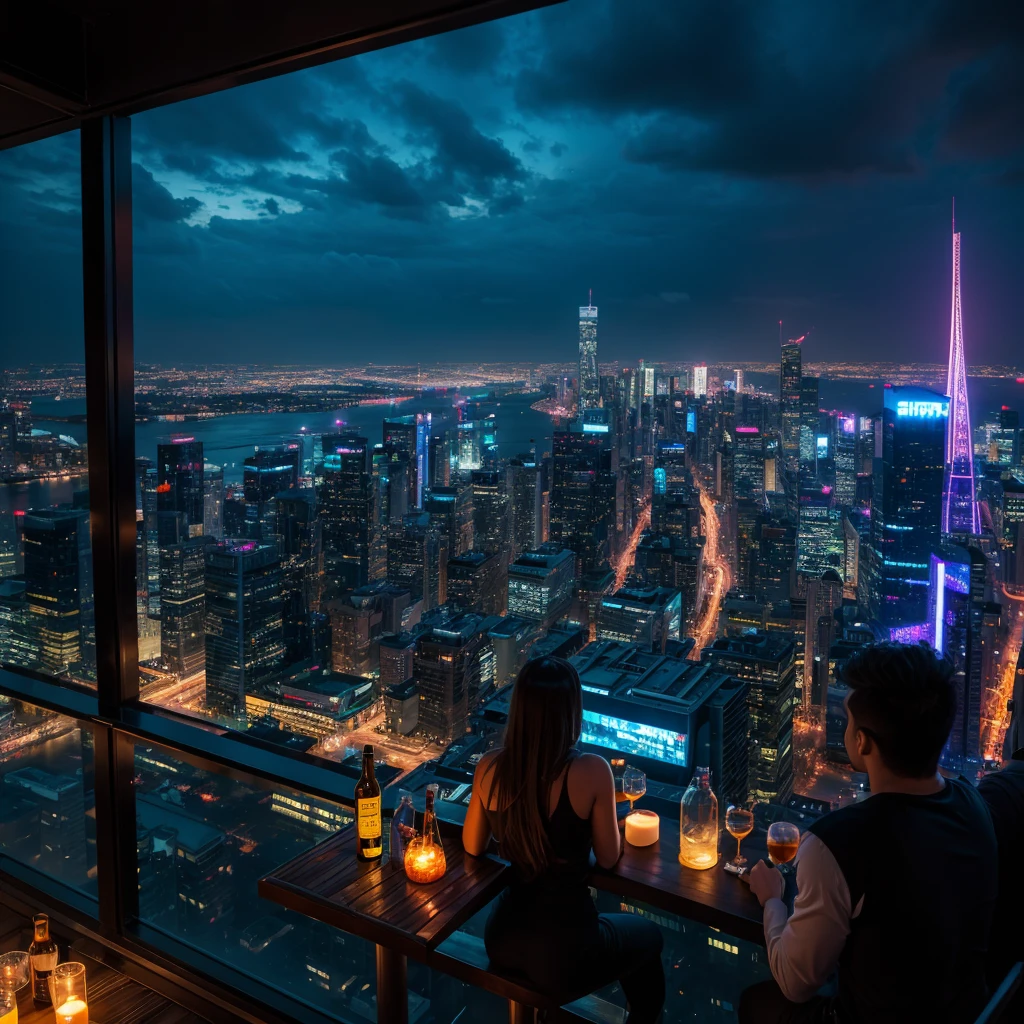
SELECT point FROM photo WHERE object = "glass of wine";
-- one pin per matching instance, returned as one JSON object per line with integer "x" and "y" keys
{"x": 783, "y": 842}
{"x": 739, "y": 823}
{"x": 618, "y": 770}
{"x": 634, "y": 785}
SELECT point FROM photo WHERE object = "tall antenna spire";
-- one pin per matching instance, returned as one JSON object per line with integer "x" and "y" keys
{"x": 959, "y": 503}
{"x": 590, "y": 296}
{"x": 780, "y": 332}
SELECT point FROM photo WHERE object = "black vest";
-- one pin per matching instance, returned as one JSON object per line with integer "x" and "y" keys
{"x": 925, "y": 869}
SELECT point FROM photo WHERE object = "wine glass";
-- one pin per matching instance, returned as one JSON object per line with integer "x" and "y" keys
{"x": 783, "y": 842}
{"x": 634, "y": 785}
{"x": 739, "y": 823}
{"x": 618, "y": 770}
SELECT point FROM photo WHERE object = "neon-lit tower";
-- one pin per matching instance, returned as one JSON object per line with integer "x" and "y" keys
{"x": 959, "y": 505}
{"x": 589, "y": 379}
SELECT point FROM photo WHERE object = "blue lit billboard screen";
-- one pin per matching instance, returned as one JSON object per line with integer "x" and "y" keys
{"x": 634, "y": 738}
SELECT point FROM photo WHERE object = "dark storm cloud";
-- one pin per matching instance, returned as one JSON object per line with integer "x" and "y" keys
{"x": 151, "y": 199}
{"x": 706, "y": 168}
{"x": 733, "y": 88}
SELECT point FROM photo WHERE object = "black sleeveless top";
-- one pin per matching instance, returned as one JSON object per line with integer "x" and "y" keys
{"x": 571, "y": 840}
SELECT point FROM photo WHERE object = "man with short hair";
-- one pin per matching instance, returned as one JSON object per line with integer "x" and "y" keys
{"x": 894, "y": 893}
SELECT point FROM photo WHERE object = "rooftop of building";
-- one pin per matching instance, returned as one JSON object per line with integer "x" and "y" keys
{"x": 471, "y": 559}
{"x": 402, "y": 691}
{"x": 639, "y": 595}
{"x": 759, "y": 644}
{"x": 543, "y": 558}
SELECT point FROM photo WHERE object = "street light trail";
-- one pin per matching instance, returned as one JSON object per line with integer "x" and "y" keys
{"x": 995, "y": 718}
{"x": 626, "y": 559}
{"x": 721, "y": 572}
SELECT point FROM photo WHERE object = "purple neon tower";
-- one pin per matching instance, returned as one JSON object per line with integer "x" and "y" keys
{"x": 959, "y": 505}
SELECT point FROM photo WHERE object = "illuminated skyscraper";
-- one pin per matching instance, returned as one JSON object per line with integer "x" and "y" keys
{"x": 244, "y": 621}
{"x": 590, "y": 381}
{"x": 956, "y": 618}
{"x": 58, "y": 589}
{"x": 740, "y": 382}
{"x": 180, "y": 473}
{"x": 348, "y": 510}
{"x": 906, "y": 506}
{"x": 268, "y": 472}
{"x": 789, "y": 399}
{"x": 700, "y": 380}
{"x": 959, "y": 503}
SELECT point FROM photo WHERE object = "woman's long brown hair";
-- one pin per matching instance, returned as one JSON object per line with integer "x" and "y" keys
{"x": 544, "y": 722}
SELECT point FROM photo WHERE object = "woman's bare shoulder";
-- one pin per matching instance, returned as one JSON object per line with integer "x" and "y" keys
{"x": 483, "y": 776}
{"x": 593, "y": 767}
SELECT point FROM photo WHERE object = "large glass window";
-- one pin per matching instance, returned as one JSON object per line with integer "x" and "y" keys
{"x": 204, "y": 840}
{"x": 46, "y": 593}
{"x": 47, "y": 794}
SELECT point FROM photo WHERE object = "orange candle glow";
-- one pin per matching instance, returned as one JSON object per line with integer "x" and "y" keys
{"x": 74, "y": 1011}
{"x": 424, "y": 863}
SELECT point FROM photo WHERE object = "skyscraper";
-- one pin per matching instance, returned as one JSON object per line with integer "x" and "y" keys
{"x": 767, "y": 662}
{"x": 540, "y": 583}
{"x": 244, "y": 622}
{"x": 789, "y": 399}
{"x": 906, "y": 507}
{"x": 268, "y": 471}
{"x": 58, "y": 588}
{"x": 589, "y": 380}
{"x": 349, "y": 514}
{"x": 418, "y": 559}
{"x": 180, "y": 475}
{"x": 583, "y": 492}
{"x": 183, "y": 607}
{"x": 700, "y": 380}
{"x": 959, "y": 502}
{"x": 956, "y": 628}
{"x": 407, "y": 440}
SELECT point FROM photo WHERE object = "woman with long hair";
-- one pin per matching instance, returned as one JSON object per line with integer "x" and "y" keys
{"x": 549, "y": 806}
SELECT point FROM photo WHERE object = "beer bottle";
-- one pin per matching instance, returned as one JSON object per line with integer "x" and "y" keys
{"x": 369, "y": 825}
{"x": 42, "y": 958}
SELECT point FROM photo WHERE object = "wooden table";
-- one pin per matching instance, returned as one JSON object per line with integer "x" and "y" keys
{"x": 378, "y": 903}
{"x": 653, "y": 875}
{"x": 404, "y": 919}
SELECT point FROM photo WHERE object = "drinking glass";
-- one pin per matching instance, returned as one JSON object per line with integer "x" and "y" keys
{"x": 8, "y": 1006}
{"x": 67, "y": 990}
{"x": 618, "y": 770}
{"x": 634, "y": 785}
{"x": 783, "y": 842}
{"x": 14, "y": 971}
{"x": 739, "y": 823}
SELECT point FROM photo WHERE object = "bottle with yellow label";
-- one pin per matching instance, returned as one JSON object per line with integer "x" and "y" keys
{"x": 369, "y": 824}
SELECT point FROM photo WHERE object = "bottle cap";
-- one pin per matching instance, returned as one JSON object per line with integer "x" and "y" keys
{"x": 368, "y": 748}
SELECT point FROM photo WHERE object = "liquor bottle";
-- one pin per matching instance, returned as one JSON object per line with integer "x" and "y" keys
{"x": 369, "y": 826}
{"x": 42, "y": 958}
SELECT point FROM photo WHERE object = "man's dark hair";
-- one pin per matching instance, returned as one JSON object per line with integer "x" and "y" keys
{"x": 902, "y": 696}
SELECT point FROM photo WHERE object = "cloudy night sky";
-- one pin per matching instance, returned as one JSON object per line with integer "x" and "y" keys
{"x": 706, "y": 168}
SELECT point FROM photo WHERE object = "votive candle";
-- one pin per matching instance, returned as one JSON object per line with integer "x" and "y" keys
{"x": 73, "y": 1011}
{"x": 642, "y": 828}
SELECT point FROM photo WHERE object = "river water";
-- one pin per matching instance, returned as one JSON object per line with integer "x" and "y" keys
{"x": 228, "y": 440}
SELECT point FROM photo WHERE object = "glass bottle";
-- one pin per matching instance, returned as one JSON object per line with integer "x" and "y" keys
{"x": 369, "y": 825}
{"x": 42, "y": 958}
{"x": 403, "y": 828}
{"x": 698, "y": 823}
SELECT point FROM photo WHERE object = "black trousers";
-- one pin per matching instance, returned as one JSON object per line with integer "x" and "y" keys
{"x": 574, "y": 951}
{"x": 764, "y": 1003}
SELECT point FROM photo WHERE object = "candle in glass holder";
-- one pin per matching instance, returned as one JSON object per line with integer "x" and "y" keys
{"x": 424, "y": 863}
{"x": 424, "y": 856}
{"x": 73, "y": 1011}
{"x": 642, "y": 828}
{"x": 67, "y": 992}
